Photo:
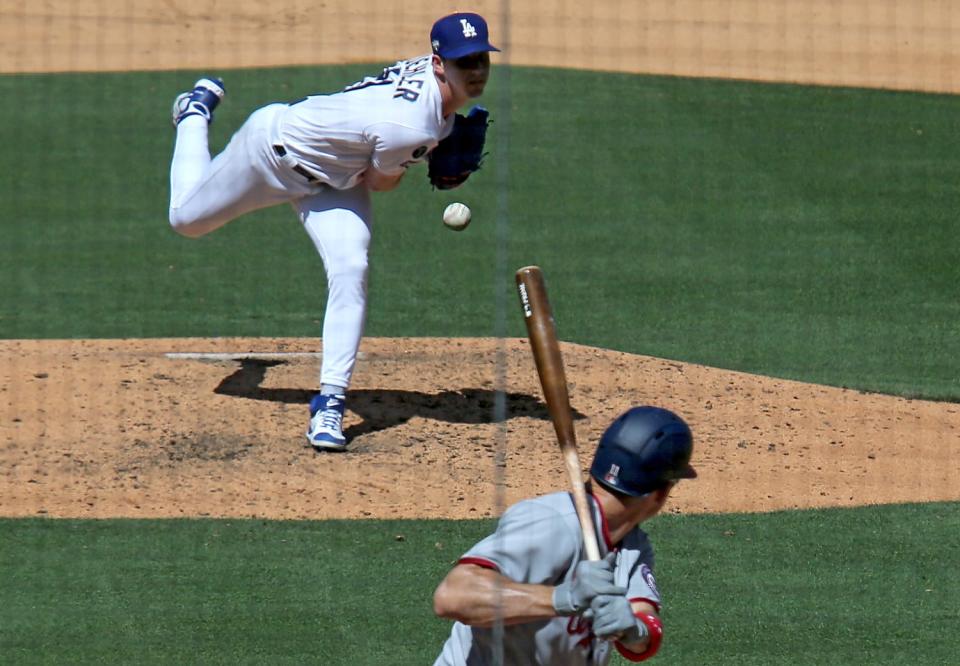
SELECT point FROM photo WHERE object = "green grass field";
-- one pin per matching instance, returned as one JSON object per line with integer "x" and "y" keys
{"x": 798, "y": 232}
{"x": 866, "y": 586}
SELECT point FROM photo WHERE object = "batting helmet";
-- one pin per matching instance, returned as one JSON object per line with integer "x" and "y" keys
{"x": 643, "y": 449}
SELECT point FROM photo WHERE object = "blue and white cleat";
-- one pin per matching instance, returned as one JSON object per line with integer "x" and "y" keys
{"x": 201, "y": 101}
{"x": 326, "y": 422}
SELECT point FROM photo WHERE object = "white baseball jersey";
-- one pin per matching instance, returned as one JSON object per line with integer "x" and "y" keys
{"x": 389, "y": 121}
{"x": 539, "y": 541}
{"x": 312, "y": 153}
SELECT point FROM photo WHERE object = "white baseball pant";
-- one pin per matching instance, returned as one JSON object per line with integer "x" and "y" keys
{"x": 248, "y": 175}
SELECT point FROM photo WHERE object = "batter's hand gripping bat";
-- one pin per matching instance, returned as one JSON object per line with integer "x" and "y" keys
{"x": 546, "y": 354}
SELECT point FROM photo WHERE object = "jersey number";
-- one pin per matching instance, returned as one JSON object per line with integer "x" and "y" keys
{"x": 387, "y": 76}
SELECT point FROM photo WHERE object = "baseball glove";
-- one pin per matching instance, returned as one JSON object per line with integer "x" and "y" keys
{"x": 461, "y": 153}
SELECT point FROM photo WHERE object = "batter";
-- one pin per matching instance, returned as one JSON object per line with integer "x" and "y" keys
{"x": 556, "y": 607}
{"x": 325, "y": 154}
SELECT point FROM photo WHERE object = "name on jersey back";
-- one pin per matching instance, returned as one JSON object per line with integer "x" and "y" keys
{"x": 412, "y": 79}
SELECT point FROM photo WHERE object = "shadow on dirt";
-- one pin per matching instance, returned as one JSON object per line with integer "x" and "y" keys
{"x": 383, "y": 409}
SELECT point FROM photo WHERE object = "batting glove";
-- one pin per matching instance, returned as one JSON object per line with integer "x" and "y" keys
{"x": 590, "y": 578}
{"x": 613, "y": 619}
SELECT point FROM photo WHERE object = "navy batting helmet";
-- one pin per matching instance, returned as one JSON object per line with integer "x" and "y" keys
{"x": 642, "y": 450}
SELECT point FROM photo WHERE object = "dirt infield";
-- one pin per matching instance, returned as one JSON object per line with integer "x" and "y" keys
{"x": 119, "y": 428}
{"x": 153, "y": 428}
{"x": 880, "y": 43}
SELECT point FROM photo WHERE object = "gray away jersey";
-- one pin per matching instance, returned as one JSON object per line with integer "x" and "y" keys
{"x": 539, "y": 541}
{"x": 388, "y": 121}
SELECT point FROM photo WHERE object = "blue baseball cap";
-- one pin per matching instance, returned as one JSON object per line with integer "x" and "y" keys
{"x": 460, "y": 34}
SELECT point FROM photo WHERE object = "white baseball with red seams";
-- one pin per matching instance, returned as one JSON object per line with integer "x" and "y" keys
{"x": 456, "y": 216}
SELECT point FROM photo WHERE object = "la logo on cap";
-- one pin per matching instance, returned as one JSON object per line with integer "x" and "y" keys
{"x": 461, "y": 34}
{"x": 468, "y": 30}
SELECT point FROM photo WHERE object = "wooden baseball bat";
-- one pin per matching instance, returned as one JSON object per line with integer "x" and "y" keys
{"x": 546, "y": 354}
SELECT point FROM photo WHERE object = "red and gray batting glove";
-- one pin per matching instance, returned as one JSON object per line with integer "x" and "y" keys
{"x": 613, "y": 619}
{"x": 590, "y": 579}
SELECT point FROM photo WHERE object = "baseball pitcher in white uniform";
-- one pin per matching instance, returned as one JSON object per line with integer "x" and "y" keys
{"x": 324, "y": 155}
{"x": 556, "y": 607}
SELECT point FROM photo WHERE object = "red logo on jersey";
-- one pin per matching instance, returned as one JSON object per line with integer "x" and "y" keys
{"x": 577, "y": 625}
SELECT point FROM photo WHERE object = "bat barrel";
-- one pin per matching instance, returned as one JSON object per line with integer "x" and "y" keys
{"x": 541, "y": 330}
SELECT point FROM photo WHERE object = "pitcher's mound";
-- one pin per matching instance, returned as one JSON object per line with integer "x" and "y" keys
{"x": 440, "y": 428}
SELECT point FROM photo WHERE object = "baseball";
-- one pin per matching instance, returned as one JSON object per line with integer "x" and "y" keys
{"x": 456, "y": 216}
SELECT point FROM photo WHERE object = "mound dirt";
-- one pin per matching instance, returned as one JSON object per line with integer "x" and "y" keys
{"x": 440, "y": 428}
